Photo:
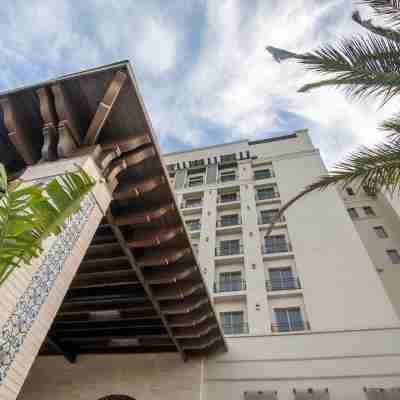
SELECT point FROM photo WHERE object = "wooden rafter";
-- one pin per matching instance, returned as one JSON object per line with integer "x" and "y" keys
{"x": 177, "y": 291}
{"x": 55, "y": 343}
{"x": 164, "y": 257}
{"x": 19, "y": 131}
{"x": 144, "y": 217}
{"x": 120, "y": 237}
{"x": 170, "y": 275}
{"x": 154, "y": 237}
{"x": 104, "y": 108}
{"x": 66, "y": 112}
{"x": 50, "y": 122}
{"x": 138, "y": 189}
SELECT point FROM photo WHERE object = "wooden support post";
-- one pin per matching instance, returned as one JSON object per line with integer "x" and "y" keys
{"x": 104, "y": 108}
{"x": 18, "y": 131}
{"x": 50, "y": 121}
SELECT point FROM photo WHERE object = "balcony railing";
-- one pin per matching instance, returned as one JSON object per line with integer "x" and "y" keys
{"x": 227, "y": 178}
{"x": 229, "y": 222}
{"x": 236, "y": 329}
{"x": 230, "y": 199}
{"x": 233, "y": 285}
{"x": 229, "y": 251}
{"x": 193, "y": 226}
{"x": 196, "y": 204}
{"x": 194, "y": 183}
{"x": 283, "y": 247}
{"x": 264, "y": 175}
{"x": 267, "y": 219}
{"x": 290, "y": 326}
{"x": 283, "y": 284}
{"x": 267, "y": 195}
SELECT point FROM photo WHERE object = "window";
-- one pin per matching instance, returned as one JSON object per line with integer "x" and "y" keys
{"x": 230, "y": 282}
{"x": 281, "y": 279}
{"x": 228, "y": 158}
{"x": 233, "y": 322}
{"x": 195, "y": 248}
{"x": 229, "y": 247}
{"x": 247, "y": 153}
{"x": 266, "y": 193}
{"x": 171, "y": 167}
{"x": 289, "y": 319}
{"x": 193, "y": 202}
{"x": 196, "y": 163}
{"x": 353, "y": 213}
{"x": 369, "y": 211}
{"x": 380, "y": 232}
{"x": 193, "y": 224}
{"x": 228, "y": 197}
{"x": 394, "y": 256}
{"x": 196, "y": 180}
{"x": 229, "y": 220}
{"x": 350, "y": 191}
{"x": 262, "y": 174}
{"x": 276, "y": 244}
{"x": 267, "y": 216}
{"x": 227, "y": 176}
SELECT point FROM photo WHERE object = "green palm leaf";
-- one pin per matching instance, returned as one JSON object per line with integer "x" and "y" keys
{"x": 29, "y": 215}
{"x": 389, "y": 9}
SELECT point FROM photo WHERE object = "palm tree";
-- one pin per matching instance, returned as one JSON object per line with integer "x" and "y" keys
{"x": 31, "y": 213}
{"x": 363, "y": 66}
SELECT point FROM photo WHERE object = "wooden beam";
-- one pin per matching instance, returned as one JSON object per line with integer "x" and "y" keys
{"x": 162, "y": 275}
{"x": 196, "y": 331}
{"x": 50, "y": 122}
{"x": 128, "y": 145}
{"x": 194, "y": 318}
{"x": 146, "y": 286}
{"x": 164, "y": 257}
{"x": 153, "y": 237}
{"x": 185, "y": 306}
{"x": 104, "y": 108}
{"x": 59, "y": 347}
{"x": 19, "y": 131}
{"x": 111, "y": 305}
{"x": 117, "y": 278}
{"x": 132, "y": 159}
{"x": 144, "y": 217}
{"x": 65, "y": 111}
{"x": 177, "y": 291}
{"x": 202, "y": 343}
{"x": 135, "y": 190}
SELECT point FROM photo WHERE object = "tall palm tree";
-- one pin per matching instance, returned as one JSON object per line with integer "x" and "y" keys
{"x": 363, "y": 66}
{"x": 29, "y": 214}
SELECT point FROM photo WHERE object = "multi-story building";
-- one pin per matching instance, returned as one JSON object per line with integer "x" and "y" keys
{"x": 120, "y": 307}
{"x": 303, "y": 307}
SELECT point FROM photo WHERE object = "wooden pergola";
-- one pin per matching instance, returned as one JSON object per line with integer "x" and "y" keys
{"x": 139, "y": 288}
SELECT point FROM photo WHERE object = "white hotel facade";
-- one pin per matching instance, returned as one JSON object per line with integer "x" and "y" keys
{"x": 313, "y": 310}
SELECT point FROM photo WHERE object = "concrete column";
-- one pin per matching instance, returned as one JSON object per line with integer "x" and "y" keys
{"x": 32, "y": 295}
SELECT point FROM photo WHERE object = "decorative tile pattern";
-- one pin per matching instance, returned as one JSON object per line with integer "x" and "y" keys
{"x": 14, "y": 331}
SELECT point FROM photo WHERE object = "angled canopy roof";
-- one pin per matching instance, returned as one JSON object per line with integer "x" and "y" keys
{"x": 139, "y": 288}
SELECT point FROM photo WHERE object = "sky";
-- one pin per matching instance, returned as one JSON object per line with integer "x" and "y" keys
{"x": 201, "y": 65}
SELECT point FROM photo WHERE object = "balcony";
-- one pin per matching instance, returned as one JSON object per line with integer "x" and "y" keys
{"x": 227, "y": 178}
{"x": 283, "y": 284}
{"x": 194, "y": 183}
{"x": 267, "y": 219}
{"x": 191, "y": 204}
{"x": 263, "y": 174}
{"x": 229, "y": 251}
{"x": 233, "y": 285}
{"x": 236, "y": 329}
{"x": 193, "y": 226}
{"x": 279, "y": 247}
{"x": 228, "y": 198}
{"x": 290, "y": 326}
{"x": 267, "y": 195}
{"x": 232, "y": 221}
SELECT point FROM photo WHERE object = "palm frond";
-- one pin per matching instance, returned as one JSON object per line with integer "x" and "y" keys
{"x": 362, "y": 66}
{"x": 391, "y": 126}
{"x": 388, "y": 33}
{"x": 28, "y": 215}
{"x": 374, "y": 169}
{"x": 388, "y": 9}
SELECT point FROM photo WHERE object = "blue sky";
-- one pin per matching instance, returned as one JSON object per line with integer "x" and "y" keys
{"x": 201, "y": 65}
